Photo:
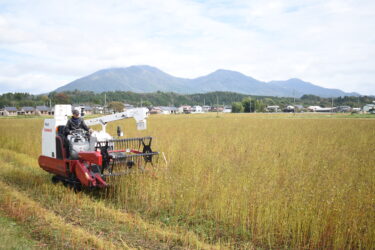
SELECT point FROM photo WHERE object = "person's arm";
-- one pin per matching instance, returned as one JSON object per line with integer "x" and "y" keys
{"x": 84, "y": 126}
{"x": 67, "y": 128}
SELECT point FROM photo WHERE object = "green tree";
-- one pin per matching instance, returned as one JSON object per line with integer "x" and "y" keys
{"x": 259, "y": 106}
{"x": 237, "y": 107}
{"x": 146, "y": 104}
{"x": 248, "y": 104}
{"x": 116, "y": 106}
{"x": 44, "y": 99}
{"x": 62, "y": 98}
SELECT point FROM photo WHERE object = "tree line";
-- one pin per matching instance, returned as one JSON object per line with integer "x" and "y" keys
{"x": 239, "y": 102}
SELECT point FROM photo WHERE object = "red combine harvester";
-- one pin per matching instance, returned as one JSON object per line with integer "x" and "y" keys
{"x": 83, "y": 160}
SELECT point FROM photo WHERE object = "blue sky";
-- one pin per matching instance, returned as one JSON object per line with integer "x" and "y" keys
{"x": 46, "y": 44}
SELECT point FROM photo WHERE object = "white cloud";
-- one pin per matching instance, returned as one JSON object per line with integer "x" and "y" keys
{"x": 329, "y": 43}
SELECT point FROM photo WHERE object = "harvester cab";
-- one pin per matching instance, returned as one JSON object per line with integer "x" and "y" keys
{"x": 84, "y": 159}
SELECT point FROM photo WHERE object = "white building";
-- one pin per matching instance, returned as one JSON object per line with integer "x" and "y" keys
{"x": 185, "y": 109}
{"x": 368, "y": 107}
{"x": 168, "y": 110}
{"x": 128, "y": 106}
{"x": 273, "y": 108}
{"x": 98, "y": 109}
{"x": 313, "y": 108}
{"x": 227, "y": 109}
{"x": 320, "y": 109}
{"x": 196, "y": 110}
{"x": 206, "y": 108}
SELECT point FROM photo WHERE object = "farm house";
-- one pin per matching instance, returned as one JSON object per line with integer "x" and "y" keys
{"x": 273, "y": 108}
{"x": 9, "y": 111}
{"x": 97, "y": 109}
{"x": 89, "y": 110}
{"x": 196, "y": 110}
{"x": 227, "y": 109}
{"x": 206, "y": 108}
{"x": 368, "y": 107}
{"x": 27, "y": 111}
{"x": 42, "y": 110}
{"x": 313, "y": 108}
{"x": 155, "y": 110}
{"x": 128, "y": 106}
{"x": 185, "y": 109}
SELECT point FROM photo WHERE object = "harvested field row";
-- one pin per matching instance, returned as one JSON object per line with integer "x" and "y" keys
{"x": 82, "y": 211}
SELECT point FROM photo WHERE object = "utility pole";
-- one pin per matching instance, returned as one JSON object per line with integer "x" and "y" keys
{"x": 358, "y": 102}
{"x": 105, "y": 103}
{"x": 250, "y": 105}
{"x": 294, "y": 103}
{"x": 217, "y": 106}
{"x": 332, "y": 106}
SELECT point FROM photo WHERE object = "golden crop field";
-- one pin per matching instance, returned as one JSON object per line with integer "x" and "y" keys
{"x": 237, "y": 181}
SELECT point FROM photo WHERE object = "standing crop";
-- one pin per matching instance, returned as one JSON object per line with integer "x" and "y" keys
{"x": 247, "y": 180}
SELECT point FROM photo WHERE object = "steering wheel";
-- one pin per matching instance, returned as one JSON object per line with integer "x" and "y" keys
{"x": 77, "y": 131}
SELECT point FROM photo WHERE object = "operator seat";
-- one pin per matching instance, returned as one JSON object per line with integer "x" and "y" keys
{"x": 64, "y": 141}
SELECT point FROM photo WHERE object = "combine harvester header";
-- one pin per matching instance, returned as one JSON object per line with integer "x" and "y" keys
{"x": 83, "y": 159}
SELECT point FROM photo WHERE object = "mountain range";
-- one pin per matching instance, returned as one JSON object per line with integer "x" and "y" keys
{"x": 146, "y": 79}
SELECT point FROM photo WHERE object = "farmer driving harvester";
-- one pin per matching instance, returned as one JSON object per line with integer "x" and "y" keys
{"x": 76, "y": 123}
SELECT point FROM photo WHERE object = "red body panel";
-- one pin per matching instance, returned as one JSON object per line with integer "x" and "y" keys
{"x": 80, "y": 168}
{"x": 53, "y": 165}
{"x": 93, "y": 157}
{"x": 83, "y": 174}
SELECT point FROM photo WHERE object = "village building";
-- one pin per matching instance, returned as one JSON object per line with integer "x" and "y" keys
{"x": 186, "y": 109}
{"x": 313, "y": 108}
{"x": 298, "y": 108}
{"x": 273, "y": 108}
{"x": 368, "y": 108}
{"x": 42, "y": 110}
{"x": 180, "y": 110}
{"x": 8, "y": 111}
{"x": 128, "y": 106}
{"x": 89, "y": 110}
{"x": 167, "y": 110}
{"x": 155, "y": 110}
{"x": 97, "y": 109}
{"x": 320, "y": 109}
{"x": 289, "y": 108}
{"x": 343, "y": 109}
{"x": 206, "y": 108}
{"x": 356, "y": 110}
{"x": 196, "y": 110}
{"x": 217, "y": 109}
{"x": 325, "y": 110}
{"x": 26, "y": 111}
{"x": 51, "y": 111}
{"x": 227, "y": 109}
